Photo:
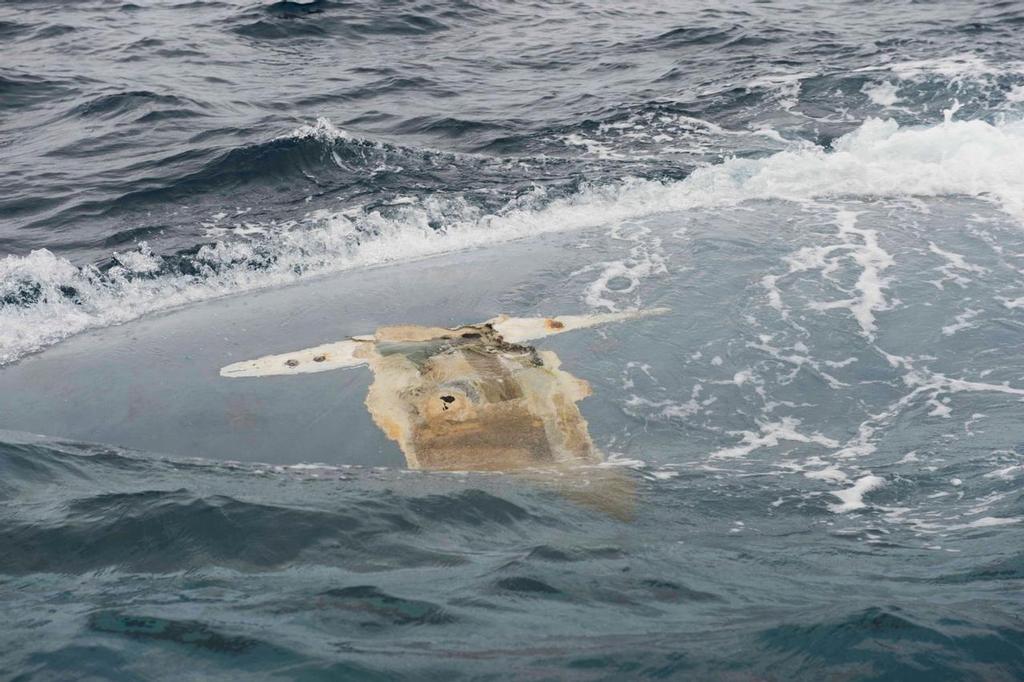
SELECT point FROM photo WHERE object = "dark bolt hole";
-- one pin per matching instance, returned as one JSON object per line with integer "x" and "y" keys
{"x": 471, "y": 335}
{"x": 320, "y": 358}
{"x": 292, "y": 363}
{"x": 447, "y": 400}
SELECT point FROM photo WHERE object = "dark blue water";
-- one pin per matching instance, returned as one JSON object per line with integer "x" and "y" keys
{"x": 825, "y": 436}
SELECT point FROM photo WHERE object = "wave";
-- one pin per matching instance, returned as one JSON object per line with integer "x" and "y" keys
{"x": 313, "y": 161}
{"x": 11, "y": 29}
{"x": 172, "y": 184}
{"x": 24, "y": 89}
{"x": 925, "y": 647}
{"x": 45, "y": 298}
{"x": 104, "y": 503}
{"x": 685, "y": 36}
{"x": 324, "y": 19}
{"x": 120, "y": 103}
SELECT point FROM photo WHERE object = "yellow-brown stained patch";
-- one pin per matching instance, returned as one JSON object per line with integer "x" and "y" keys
{"x": 464, "y": 399}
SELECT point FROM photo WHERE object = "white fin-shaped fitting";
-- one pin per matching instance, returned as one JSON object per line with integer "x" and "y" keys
{"x": 519, "y": 329}
{"x": 323, "y": 358}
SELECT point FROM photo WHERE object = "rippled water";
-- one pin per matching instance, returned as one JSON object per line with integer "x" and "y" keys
{"x": 824, "y": 435}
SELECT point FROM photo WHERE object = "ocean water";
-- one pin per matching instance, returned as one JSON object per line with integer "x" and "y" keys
{"x": 824, "y": 438}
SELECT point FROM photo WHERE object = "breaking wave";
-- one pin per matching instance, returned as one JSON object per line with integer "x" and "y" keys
{"x": 45, "y": 298}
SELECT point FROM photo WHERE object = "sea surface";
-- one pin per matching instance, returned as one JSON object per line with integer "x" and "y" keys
{"x": 825, "y": 437}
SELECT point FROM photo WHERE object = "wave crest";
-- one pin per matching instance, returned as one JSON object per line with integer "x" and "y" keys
{"x": 45, "y": 298}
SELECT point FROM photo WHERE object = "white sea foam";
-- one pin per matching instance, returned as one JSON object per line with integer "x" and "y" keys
{"x": 653, "y": 134}
{"x": 863, "y": 249}
{"x": 883, "y": 94}
{"x": 932, "y": 387}
{"x": 1006, "y": 473}
{"x": 852, "y": 498}
{"x": 645, "y": 260}
{"x": 798, "y": 360}
{"x": 665, "y": 410}
{"x": 830, "y": 473}
{"x": 879, "y": 159}
{"x": 988, "y": 521}
{"x": 322, "y": 129}
{"x": 771, "y": 434}
{"x": 955, "y": 269}
{"x": 141, "y": 261}
{"x": 955, "y": 68}
{"x": 963, "y": 321}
